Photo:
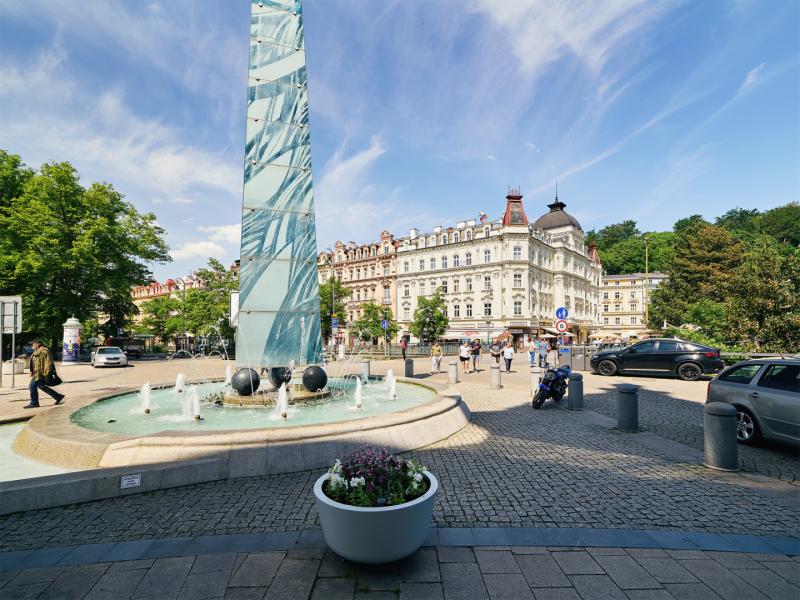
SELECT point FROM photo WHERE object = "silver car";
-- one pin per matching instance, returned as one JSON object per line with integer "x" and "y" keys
{"x": 109, "y": 356}
{"x": 766, "y": 394}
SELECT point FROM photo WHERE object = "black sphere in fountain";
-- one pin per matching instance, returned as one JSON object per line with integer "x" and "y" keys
{"x": 315, "y": 378}
{"x": 280, "y": 375}
{"x": 245, "y": 382}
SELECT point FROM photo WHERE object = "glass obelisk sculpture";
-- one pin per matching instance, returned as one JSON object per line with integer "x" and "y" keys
{"x": 278, "y": 289}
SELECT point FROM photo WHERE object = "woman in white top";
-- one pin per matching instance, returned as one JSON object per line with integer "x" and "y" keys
{"x": 464, "y": 352}
{"x": 508, "y": 355}
{"x": 530, "y": 346}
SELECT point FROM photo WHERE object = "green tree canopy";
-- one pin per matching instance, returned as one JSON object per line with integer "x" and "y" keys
{"x": 628, "y": 256}
{"x": 368, "y": 326}
{"x": 70, "y": 250}
{"x": 783, "y": 223}
{"x": 331, "y": 304}
{"x": 613, "y": 234}
{"x": 208, "y": 307}
{"x": 429, "y": 322}
{"x": 162, "y": 317}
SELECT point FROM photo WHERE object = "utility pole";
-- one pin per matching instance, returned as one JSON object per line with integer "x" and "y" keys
{"x": 646, "y": 284}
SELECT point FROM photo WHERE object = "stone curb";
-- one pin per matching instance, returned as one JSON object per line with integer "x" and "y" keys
{"x": 471, "y": 537}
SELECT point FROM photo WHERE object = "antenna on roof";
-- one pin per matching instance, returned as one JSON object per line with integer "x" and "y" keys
{"x": 556, "y": 189}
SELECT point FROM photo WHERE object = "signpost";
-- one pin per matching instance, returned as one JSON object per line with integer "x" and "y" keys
{"x": 562, "y": 313}
{"x": 10, "y": 322}
{"x": 561, "y": 326}
{"x": 385, "y": 327}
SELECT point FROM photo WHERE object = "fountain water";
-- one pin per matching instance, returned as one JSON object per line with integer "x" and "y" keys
{"x": 282, "y": 402}
{"x": 228, "y": 374}
{"x": 190, "y": 403}
{"x": 144, "y": 398}
{"x": 391, "y": 383}
{"x": 180, "y": 383}
{"x": 358, "y": 392}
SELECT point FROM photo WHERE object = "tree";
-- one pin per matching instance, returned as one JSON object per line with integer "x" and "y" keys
{"x": 628, "y": 256}
{"x": 368, "y": 326}
{"x": 737, "y": 219}
{"x": 162, "y": 317}
{"x": 613, "y": 234}
{"x": 70, "y": 250}
{"x": 331, "y": 297}
{"x": 782, "y": 223}
{"x": 429, "y": 322}
{"x": 689, "y": 224}
{"x": 208, "y": 307}
{"x": 12, "y": 177}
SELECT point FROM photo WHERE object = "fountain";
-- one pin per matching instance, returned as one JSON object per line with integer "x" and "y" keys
{"x": 358, "y": 393}
{"x": 282, "y": 402}
{"x": 144, "y": 397}
{"x": 228, "y": 374}
{"x": 180, "y": 383}
{"x": 391, "y": 384}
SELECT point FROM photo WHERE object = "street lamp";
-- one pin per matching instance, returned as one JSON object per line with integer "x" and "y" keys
{"x": 646, "y": 282}
{"x": 183, "y": 312}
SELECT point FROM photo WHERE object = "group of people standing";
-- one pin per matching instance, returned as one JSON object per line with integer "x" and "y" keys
{"x": 469, "y": 353}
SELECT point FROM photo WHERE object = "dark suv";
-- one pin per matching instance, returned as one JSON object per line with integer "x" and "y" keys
{"x": 660, "y": 356}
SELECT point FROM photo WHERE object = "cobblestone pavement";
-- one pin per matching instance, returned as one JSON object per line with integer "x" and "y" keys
{"x": 445, "y": 573}
{"x": 512, "y": 466}
{"x": 680, "y": 419}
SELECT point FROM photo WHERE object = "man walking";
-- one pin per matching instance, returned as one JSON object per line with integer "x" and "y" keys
{"x": 41, "y": 366}
{"x": 476, "y": 355}
{"x": 530, "y": 346}
{"x": 436, "y": 358}
{"x": 544, "y": 348}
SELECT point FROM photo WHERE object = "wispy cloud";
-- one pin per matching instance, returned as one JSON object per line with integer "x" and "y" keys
{"x": 752, "y": 76}
{"x": 199, "y": 249}
{"x": 229, "y": 234}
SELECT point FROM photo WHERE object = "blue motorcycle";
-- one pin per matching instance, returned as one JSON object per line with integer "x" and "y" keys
{"x": 552, "y": 385}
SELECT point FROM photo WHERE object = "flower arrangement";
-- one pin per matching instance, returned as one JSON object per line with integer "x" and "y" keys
{"x": 374, "y": 477}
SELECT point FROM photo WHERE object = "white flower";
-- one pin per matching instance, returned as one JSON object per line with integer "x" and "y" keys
{"x": 357, "y": 481}
{"x": 335, "y": 480}
{"x": 337, "y": 466}
{"x": 417, "y": 477}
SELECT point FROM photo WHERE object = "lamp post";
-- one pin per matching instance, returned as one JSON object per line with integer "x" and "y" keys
{"x": 646, "y": 283}
{"x": 183, "y": 311}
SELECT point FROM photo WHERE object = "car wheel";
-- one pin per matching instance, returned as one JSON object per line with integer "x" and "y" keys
{"x": 690, "y": 372}
{"x": 607, "y": 367}
{"x": 747, "y": 431}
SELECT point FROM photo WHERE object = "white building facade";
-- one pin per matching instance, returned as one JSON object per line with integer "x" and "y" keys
{"x": 505, "y": 276}
{"x": 622, "y": 305}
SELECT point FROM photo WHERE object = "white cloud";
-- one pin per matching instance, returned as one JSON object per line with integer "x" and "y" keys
{"x": 531, "y": 146}
{"x": 229, "y": 234}
{"x": 752, "y": 76}
{"x": 490, "y": 157}
{"x": 199, "y": 249}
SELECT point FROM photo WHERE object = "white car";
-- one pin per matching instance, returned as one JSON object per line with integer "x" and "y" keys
{"x": 109, "y": 356}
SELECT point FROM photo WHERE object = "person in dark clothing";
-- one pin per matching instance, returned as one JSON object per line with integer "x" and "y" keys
{"x": 476, "y": 355}
{"x": 41, "y": 366}
{"x": 403, "y": 346}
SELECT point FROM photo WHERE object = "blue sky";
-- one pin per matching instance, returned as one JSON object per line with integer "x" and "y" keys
{"x": 422, "y": 113}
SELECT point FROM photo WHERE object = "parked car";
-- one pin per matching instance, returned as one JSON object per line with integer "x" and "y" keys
{"x": 766, "y": 394}
{"x": 660, "y": 356}
{"x": 109, "y": 356}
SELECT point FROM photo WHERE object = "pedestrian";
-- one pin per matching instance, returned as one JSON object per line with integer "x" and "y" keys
{"x": 496, "y": 351}
{"x": 530, "y": 346}
{"x": 403, "y": 346}
{"x": 41, "y": 366}
{"x": 463, "y": 355}
{"x": 475, "y": 351}
{"x": 436, "y": 358}
{"x": 544, "y": 348}
{"x": 508, "y": 356}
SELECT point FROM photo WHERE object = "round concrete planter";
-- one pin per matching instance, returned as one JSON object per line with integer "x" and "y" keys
{"x": 375, "y": 535}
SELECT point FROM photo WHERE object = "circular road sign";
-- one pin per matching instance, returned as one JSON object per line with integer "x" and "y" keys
{"x": 561, "y": 326}
{"x": 562, "y": 312}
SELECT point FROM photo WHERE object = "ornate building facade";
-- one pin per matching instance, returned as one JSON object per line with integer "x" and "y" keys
{"x": 502, "y": 276}
{"x": 622, "y": 302}
{"x": 369, "y": 273}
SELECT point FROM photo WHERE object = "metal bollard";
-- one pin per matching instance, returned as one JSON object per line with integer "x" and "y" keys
{"x": 575, "y": 392}
{"x": 719, "y": 436}
{"x": 494, "y": 380}
{"x": 628, "y": 408}
{"x": 452, "y": 372}
{"x": 536, "y": 377}
{"x": 409, "y": 372}
{"x": 364, "y": 371}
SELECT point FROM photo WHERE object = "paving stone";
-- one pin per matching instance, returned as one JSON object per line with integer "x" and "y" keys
{"x": 766, "y": 582}
{"x": 294, "y": 579}
{"x": 528, "y": 550}
{"x": 667, "y": 570}
{"x": 721, "y": 580}
{"x": 37, "y": 575}
{"x": 24, "y": 592}
{"x": 597, "y": 587}
{"x": 256, "y": 569}
{"x": 420, "y": 567}
{"x": 734, "y": 560}
{"x": 626, "y": 572}
{"x": 213, "y": 562}
{"x": 379, "y": 577}
{"x": 380, "y": 595}
{"x": 607, "y": 551}
{"x": 507, "y": 586}
{"x": 165, "y": 576}
{"x": 306, "y": 553}
{"x": 757, "y": 556}
{"x": 496, "y": 562}
{"x": 555, "y": 594}
{"x": 200, "y": 586}
{"x": 542, "y": 571}
{"x": 132, "y": 565}
{"x": 577, "y": 563}
{"x": 245, "y": 593}
{"x": 74, "y": 584}
{"x": 648, "y": 595}
{"x": 462, "y": 581}
{"x": 421, "y": 591}
{"x": 117, "y": 584}
{"x": 646, "y": 552}
{"x": 338, "y": 588}
{"x": 6, "y": 576}
{"x": 787, "y": 570}
{"x": 333, "y": 565}
{"x": 690, "y": 591}
{"x": 684, "y": 554}
{"x": 455, "y": 554}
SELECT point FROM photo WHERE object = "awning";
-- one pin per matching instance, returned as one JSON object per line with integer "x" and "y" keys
{"x": 559, "y": 333}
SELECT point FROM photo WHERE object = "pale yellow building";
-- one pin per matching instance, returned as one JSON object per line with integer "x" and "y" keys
{"x": 622, "y": 304}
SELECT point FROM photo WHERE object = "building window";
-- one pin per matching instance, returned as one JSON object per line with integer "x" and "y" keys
{"x": 456, "y": 285}
{"x": 469, "y": 235}
{"x": 517, "y": 307}
{"x": 634, "y": 307}
{"x": 469, "y": 310}
{"x": 487, "y": 256}
{"x": 432, "y": 241}
{"x": 517, "y": 280}
{"x": 444, "y": 262}
{"x": 405, "y": 267}
{"x": 358, "y": 294}
{"x": 633, "y": 295}
{"x": 372, "y": 271}
{"x": 469, "y": 284}
{"x": 517, "y": 253}
{"x": 351, "y": 274}
{"x": 634, "y": 320}
{"x": 421, "y": 265}
{"x": 605, "y": 307}
{"x": 444, "y": 311}
{"x": 616, "y": 282}
{"x": 386, "y": 293}
{"x": 421, "y": 288}
{"x": 617, "y": 320}
{"x": 605, "y": 295}
{"x": 605, "y": 320}
{"x": 386, "y": 249}
{"x": 617, "y": 307}
{"x": 444, "y": 286}
{"x": 456, "y": 237}
{"x": 456, "y": 310}
{"x": 456, "y": 260}
{"x": 468, "y": 259}
{"x": 444, "y": 239}
{"x": 433, "y": 264}
{"x": 486, "y": 231}
{"x": 406, "y": 312}
{"x": 487, "y": 282}
{"x": 385, "y": 270}
{"x": 487, "y": 309}
{"x": 616, "y": 295}
{"x": 406, "y": 292}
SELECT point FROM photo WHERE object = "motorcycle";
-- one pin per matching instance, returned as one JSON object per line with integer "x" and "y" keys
{"x": 552, "y": 385}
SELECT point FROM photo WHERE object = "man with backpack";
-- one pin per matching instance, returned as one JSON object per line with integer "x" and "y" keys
{"x": 41, "y": 366}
